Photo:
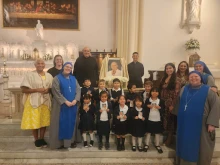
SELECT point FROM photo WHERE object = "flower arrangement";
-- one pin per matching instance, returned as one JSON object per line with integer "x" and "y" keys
{"x": 192, "y": 44}
{"x": 47, "y": 57}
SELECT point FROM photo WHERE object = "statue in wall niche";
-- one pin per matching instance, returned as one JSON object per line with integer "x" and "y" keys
{"x": 191, "y": 14}
{"x": 194, "y": 9}
{"x": 39, "y": 30}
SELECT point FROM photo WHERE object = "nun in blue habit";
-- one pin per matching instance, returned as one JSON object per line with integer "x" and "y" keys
{"x": 66, "y": 94}
{"x": 198, "y": 115}
{"x": 207, "y": 76}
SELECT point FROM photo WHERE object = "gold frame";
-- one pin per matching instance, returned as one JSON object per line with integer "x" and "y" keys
{"x": 19, "y": 28}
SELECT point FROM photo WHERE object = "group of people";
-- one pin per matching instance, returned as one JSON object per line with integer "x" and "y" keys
{"x": 185, "y": 103}
{"x": 51, "y": 7}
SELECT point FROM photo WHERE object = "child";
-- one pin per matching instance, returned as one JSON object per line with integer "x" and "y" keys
{"x": 87, "y": 117}
{"x": 115, "y": 92}
{"x": 154, "y": 113}
{"x": 121, "y": 113}
{"x": 87, "y": 89}
{"x": 131, "y": 95}
{"x": 101, "y": 87}
{"x": 103, "y": 114}
{"x": 138, "y": 115}
{"x": 147, "y": 85}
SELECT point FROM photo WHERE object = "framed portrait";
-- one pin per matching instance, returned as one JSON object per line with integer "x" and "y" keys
{"x": 114, "y": 67}
{"x": 53, "y": 14}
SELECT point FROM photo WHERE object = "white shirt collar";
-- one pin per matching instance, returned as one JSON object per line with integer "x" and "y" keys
{"x": 116, "y": 89}
{"x": 138, "y": 109}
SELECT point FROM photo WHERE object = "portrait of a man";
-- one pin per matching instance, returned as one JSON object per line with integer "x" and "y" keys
{"x": 114, "y": 68}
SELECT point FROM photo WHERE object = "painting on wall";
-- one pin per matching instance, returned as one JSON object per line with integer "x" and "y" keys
{"x": 53, "y": 14}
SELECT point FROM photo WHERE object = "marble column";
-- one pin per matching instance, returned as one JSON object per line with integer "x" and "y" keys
{"x": 129, "y": 25}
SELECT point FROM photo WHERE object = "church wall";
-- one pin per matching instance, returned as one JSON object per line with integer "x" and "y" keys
{"x": 164, "y": 40}
{"x": 97, "y": 28}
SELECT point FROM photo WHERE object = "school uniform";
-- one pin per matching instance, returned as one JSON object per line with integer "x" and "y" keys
{"x": 154, "y": 117}
{"x": 145, "y": 95}
{"x": 121, "y": 125}
{"x": 114, "y": 94}
{"x": 87, "y": 119}
{"x": 130, "y": 96}
{"x": 103, "y": 119}
{"x": 138, "y": 125}
{"x": 87, "y": 90}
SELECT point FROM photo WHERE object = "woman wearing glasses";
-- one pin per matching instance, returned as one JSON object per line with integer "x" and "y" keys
{"x": 36, "y": 116}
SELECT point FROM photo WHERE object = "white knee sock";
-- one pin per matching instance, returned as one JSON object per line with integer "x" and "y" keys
{"x": 133, "y": 141}
{"x": 84, "y": 136}
{"x": 147, "y": 139}
{"x": 91, "y": 136}
{"x": 140, "y": 141}
{"x": 157, "y": 139}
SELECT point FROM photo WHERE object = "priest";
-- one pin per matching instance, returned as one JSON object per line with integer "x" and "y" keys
{"x": 86, "y": 67}
{"x": 136, "y": 71}
{"x": 198, "y": 116}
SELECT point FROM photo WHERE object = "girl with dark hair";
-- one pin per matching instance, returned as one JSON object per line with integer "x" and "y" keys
{"x": 58, "y": 63}
{"x": 169, "y": 88}
{"x": 87, "y": 119}
{"x": 183, "y": 72}
{"x": 121, "y": 113}
{"x": 138, "y": 115}
{"x": 154, "y": 117}
{"x": 103, "y": 116}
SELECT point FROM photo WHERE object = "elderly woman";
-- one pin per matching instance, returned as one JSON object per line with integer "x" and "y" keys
{"x": 206, "y": 75}
{"x": 58, "y": 63}
{"x": 198, "y": 116}
{"x": 66, "y": 93}
{"x": 36, "y": 116}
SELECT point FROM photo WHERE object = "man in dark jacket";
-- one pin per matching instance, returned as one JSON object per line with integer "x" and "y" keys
{"x": 86, "y": 67}
{"x": 136, "y": 71}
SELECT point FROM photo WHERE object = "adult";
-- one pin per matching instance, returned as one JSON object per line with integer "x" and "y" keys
{"x": 169, "y": 88}
{"x": 36, "y": 116}
{"x": 136, "y": 71}
{"x": 66, "y": 93}
{"x": 58, "y": 63}
{"x": 198, "y": 116}
{"x": 183, "y": 72}
{"x": 206, "y": 75}
{"x": 114, "y": 70}
{"x": 86, "y": 67}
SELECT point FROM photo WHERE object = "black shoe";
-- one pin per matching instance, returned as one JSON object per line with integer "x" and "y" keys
{"x": 38, "y": 143}
{"x": 159, "y": 149}
{"x": 61, "y": 147}
{"x": 73, "y": 145}
{"x": 122, "y": 147}
{"x": 100, "y": 146}
{"x": 133, "y": 148}
{"x": 91, "y": 143}
{"x": 107, "y": 145}
{"x": 140, "y": 149}
{"x": 85, "y": 144}
{"x": 43, "y": 143}
{"x": 146, "y": 147}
